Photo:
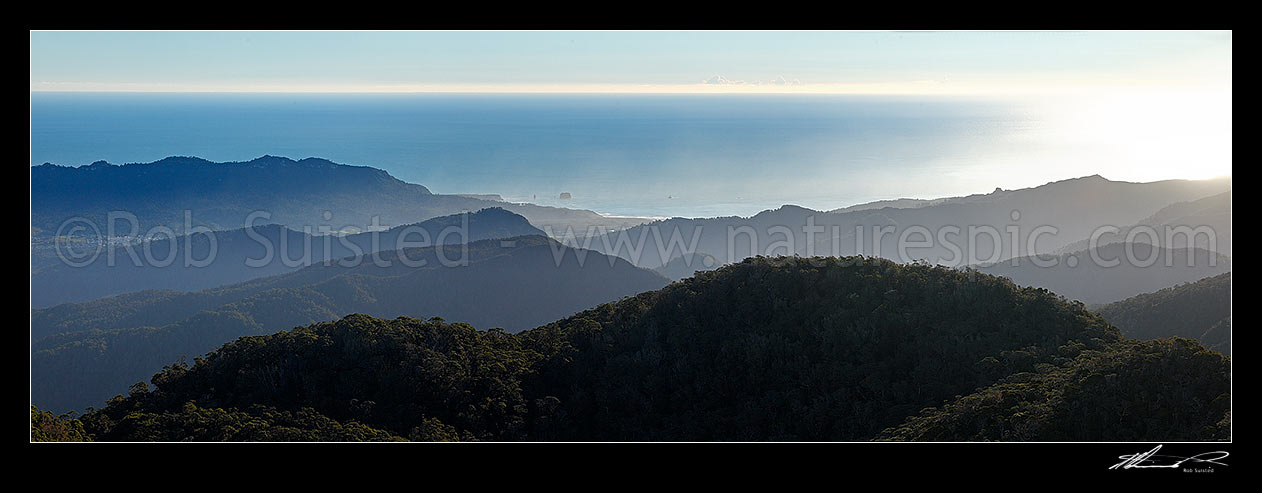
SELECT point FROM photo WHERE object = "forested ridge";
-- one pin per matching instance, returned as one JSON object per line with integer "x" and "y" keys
{"x": 515, "y": 285}
{"x": 1169, "y": 389}
{"x": 782, "y": 348}
{"x": 1198, "y": 310}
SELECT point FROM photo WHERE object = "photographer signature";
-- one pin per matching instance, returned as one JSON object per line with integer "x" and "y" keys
{"x": 1150, "y": 460}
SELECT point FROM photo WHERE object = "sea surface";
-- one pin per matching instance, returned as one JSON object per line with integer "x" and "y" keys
{"x": 630, "y": 155}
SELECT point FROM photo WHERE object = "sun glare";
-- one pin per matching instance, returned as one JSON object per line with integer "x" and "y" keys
{"x": 1147, "y": 135}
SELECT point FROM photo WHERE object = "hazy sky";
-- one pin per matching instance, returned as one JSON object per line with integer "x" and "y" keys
{"x": 1133, "y": 105}
{"x": 627, "y": 61}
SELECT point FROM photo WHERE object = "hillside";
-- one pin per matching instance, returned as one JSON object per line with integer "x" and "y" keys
{"x": 767, "y": 349}
{"x": 1075, "y": 208}
{"x": 686, "y": 265}
{"x": 223, "y": 195}
{"x": 193, "y": 262}
{"x": 1210, "y": 212}
{"x": 1198, "y": 310}
{"x": 85, "y": 353}
{"x": 1116, "y": 275}
{"x": 1169, "y": 389}
{"x": 801, "y": 349}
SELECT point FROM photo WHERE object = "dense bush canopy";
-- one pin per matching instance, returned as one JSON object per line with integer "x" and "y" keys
{"x": 767, "y": 349}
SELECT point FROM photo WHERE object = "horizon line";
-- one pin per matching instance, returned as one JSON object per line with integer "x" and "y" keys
{"x": 1228, "y": 175}
{"x": 911, "y": 88}
{"x": 825, "y": 209}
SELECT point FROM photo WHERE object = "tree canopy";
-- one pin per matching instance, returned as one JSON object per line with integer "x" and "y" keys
{"x": 782, "y": 348}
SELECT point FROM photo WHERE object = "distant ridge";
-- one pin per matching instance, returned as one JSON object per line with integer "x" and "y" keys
{"x": 310, "y": 192}
{"x": 908, "y": 203}
{"x": 1074, "y": 207}
{"x": 54, "y": 281}
{"x": 86, "y": 352}
{"x": 1080, "y": 277}
{"x": 1198, "y": 310}
{"x": 1213, "y": 212}
{"x": 263, "y": 161}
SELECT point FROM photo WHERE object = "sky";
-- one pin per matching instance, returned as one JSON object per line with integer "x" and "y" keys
{"x": 1145, "y": 105}
{"x": 884, "y": 62}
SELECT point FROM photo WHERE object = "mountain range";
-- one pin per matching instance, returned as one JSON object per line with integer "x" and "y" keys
{"x": 880, "y": 321}
{"x": 1073, "y": 209}
{"x": 309, "y": 192}
{"x": 784, "y": 349}
{"x": 83, "y": 353}
{"x": 215, "y": 258}
{"x": 1112, "y": 272}
{"x": 981, "y": 230}
{"x": 1213, "y": 212}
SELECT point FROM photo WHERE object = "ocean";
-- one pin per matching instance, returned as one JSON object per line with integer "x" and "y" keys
{"x": 628, "y": 155}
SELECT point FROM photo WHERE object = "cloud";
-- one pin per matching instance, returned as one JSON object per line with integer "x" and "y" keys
{"x": 719, "y": 80}
{"x": 779, "y": 80}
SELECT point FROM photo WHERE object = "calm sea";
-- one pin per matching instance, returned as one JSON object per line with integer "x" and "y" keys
{"x": 641, "y": 155}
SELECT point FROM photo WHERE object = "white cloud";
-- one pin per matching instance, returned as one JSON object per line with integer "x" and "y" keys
{"x": 779, "y": 80}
